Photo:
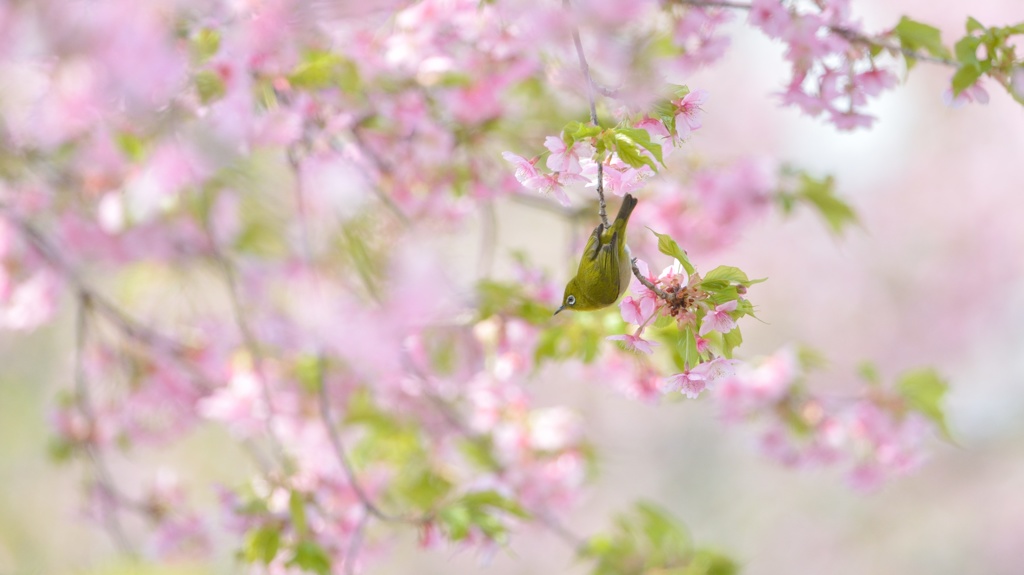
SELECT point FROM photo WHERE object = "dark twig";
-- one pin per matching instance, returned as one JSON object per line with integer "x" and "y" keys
{"x": 585, "y": 68}
{"x": 647, "y": 283}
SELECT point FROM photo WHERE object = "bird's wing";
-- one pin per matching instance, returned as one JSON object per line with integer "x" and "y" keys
{"x": 593, "y": 245}
{"x": 600, "y": 277}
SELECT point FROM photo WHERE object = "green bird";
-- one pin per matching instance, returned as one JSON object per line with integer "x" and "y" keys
{"x": 605, "y": 268}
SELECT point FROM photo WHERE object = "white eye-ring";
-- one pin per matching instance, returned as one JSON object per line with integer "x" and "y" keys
{"x": 571, "y": 300}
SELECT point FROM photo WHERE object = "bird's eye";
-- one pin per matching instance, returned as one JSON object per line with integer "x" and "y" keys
{"x": 571, "y": 300}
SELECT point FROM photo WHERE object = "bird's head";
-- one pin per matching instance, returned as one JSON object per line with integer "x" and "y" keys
{"x": 571, "y": 296}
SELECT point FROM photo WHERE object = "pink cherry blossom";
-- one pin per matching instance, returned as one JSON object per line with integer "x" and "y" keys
{"x": 564, "y": 159}
{"x": 656, "y": 128}
{"x": 31, "y": 302}
{"x": 757, "y": 387}
{"x": 620, "y": 179}
{"x": 634, "y": 343}
{"x": 875, "y": 81}
{"x": 638, "y": 310}
{"x": 1017, "y": 81}
{"x": 695, "y": 34}
{"x": 719, "y": 319}
{"x": 704, "y": 376}
{"x": 771, "y": 16}
{"x": 688, "y": 112}
{"x": 974, "y": 93}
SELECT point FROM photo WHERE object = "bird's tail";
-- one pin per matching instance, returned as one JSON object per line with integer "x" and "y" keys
{"x": 628, "y": 203}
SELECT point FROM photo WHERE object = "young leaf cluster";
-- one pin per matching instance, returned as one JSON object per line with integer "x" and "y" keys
{"x": 648, "y": 541}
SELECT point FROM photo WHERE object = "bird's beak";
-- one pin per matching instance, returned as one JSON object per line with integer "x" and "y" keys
{"x": 558, "y": 310}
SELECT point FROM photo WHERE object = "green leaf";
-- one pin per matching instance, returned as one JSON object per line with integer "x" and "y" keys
{"x": 322, "y": 70}
{"x": 423, "y": 489}
{"x": 209, "y": 86}
{"x": 821, "y": 194}
{"x": 669, "y": 247}
{"x": 966, "y": 50}
{"x": 205, "y": 44}
{"x": 311, "y": 557}
{"x": 707, "y": 562}
{"x": 131, "y": 145}
{"x": 480, "y": 509}
{"x": 493, "y": 499}
{"x": 723, "y": 295}
{"x": 924, "y": 390}
{"x": 731, "y": 341}
{"x": 688, "y": 348}
{"x": 480, "y": 452}
{"x": 648, "y": 541}
{"x": 661, "y": 530}
{"x": 728, "y": 273}
{"x": 262, "y": 544}
{"x": 965, "y": 77}
{"x": 629, "y": 152}
{"x": 297, "y": 509}
{"x": 914, "y": 35}
{"x": 642, "y": 137}
{"x": 307, "y": 371}
{"x": 973, "y": 25}
{"x": 868, "y": 371}
{"x": 60, "y": 450}
{"x": 810, "y": 358}
{"x": 455, "y": 520}
{"x": 583, "y": 131}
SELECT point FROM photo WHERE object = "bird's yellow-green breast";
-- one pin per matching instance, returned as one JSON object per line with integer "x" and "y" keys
{"x": 604, "y": 270}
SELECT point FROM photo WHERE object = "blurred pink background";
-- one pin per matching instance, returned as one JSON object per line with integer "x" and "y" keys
{"x": 934, "y": 275}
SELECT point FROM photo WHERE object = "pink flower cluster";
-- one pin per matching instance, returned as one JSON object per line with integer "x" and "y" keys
{"x": 710, "y": 210}
{"x": 28, "y": 288}
{"x": 831, "y": 75}
{"x": 574, "y": 164}
{"x": 564, "y": 162}
{"x": 643, "y": 306}
{"x": 871, "y": 438}
{"x": 694, "y": 32}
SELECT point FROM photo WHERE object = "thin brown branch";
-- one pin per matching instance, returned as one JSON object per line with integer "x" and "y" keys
{"x": 452, "y": 417}
{"x": 585, "y": 69}
{"x": 97, "y": 302}
{"x": 567, "y": 536}
{"x": 382, "y": 167}
{"x": 850, "y": 35}
{"x": 651, "y": 286}
{"x": 342, "y": 455}
{"x": 355, "y": 543}
{"x": 110, "y": 493}
{"x": 251, "y": 345}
